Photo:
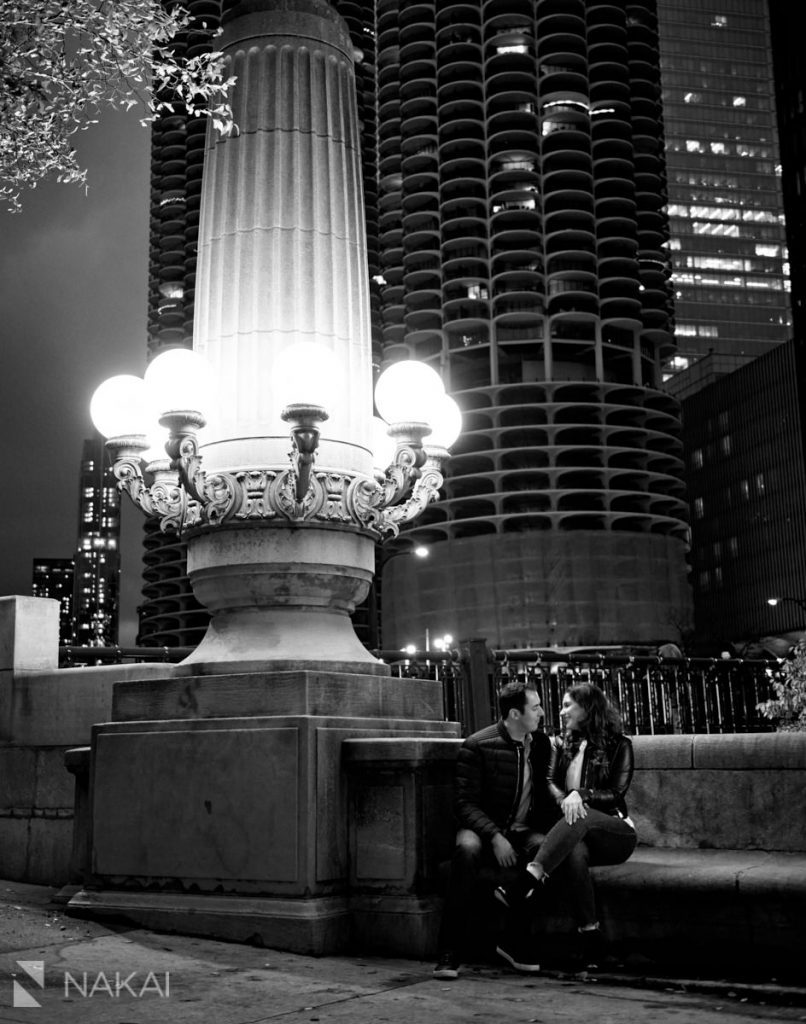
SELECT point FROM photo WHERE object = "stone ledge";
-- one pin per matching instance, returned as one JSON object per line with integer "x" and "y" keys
{"x": 732, "y": 871}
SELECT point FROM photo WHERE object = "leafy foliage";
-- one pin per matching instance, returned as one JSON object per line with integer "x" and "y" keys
{"x": 788, "y": 707}
{"x": 61, "y": 61}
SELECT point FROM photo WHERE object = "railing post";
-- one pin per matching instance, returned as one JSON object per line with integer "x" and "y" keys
{"x": 478, "y": 685}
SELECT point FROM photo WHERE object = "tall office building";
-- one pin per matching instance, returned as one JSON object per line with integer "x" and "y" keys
{"x": 748, "y": 488}
{"x": 53, "y": 578}
{"x": 170, "y": 615}
{"x": 727, "y": 232}
{"x": 790, "y": 87}
{"x": 523, "y": 242}
{"x": 96, "y": 580}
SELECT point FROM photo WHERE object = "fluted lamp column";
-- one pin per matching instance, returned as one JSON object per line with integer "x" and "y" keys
{"x": 281, "y": 552}
{"x": 282, "y": 261}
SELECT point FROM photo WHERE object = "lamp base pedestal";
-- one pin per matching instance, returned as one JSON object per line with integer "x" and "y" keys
{"x": 236, "y": 806}
{"x": 249, "y": 639}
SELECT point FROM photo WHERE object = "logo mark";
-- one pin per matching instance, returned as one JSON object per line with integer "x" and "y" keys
{"x": 35, "y": 969}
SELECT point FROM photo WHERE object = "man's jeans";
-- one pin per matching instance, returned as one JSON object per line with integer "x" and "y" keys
{"x": 570, "y": 850}
{"x": 473, "y": 861}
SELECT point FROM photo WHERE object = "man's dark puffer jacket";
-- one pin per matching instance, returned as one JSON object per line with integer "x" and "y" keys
{"x": 488, "y": 781}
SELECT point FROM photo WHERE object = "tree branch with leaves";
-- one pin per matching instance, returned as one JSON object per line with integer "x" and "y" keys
{"x": 62, "y": 61}
{"x": 788, "y": 707}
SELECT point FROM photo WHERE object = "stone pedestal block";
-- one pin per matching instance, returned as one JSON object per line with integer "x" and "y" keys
{"x": 238, "y": 797}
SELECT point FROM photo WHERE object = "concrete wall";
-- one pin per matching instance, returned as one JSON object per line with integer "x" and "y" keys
{"x": 44, "y": 711}
{"x": 739, "y": 791}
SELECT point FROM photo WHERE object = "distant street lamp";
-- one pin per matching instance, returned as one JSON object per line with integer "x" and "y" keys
{"x": 793, "y": 600}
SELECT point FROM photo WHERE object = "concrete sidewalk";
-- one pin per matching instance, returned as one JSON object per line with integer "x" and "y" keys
{"x": 111, "y": 973}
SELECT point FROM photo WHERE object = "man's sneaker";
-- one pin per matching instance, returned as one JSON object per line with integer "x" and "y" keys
{"x": 593, "y": 953}
{"x": 447, "y": 967}
{"x": 518, "y": 957}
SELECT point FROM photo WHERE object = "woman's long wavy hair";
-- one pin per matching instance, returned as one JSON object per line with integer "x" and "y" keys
{"x": 602, "y": 723}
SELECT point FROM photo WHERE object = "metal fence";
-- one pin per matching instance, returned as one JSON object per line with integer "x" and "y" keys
{"x": 75, "y": 657}
{"x": 655, "y": 695}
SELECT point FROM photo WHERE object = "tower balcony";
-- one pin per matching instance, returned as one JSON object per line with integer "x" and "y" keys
{"x": 426, "y": 319}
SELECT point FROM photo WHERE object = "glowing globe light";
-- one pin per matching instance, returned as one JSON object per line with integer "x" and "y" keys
{"x": 407, "y": 392}
{"x": 446, "y": 423}
{"x": 308, "y": 373}
{"x": 179, "y": 379}
{"x": 383, "y": 446}
{"x": 119, "y": 407}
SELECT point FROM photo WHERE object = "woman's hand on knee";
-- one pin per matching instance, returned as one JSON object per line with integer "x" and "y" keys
{"x": 572, "y": 807}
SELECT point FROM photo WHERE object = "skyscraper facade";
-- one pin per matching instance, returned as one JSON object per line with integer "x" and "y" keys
{"x": 748, "y": 488}
{"x": 53, "y": 578}
{"x": 170, "y": 615}
{"x": 790, "y": 89}
{"x": 96, "y": 580}
{"x": 523, "y": 249}
{"x": 727, "y": 231}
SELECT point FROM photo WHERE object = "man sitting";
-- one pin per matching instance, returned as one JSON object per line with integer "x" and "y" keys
{"x": 502, "y": 801}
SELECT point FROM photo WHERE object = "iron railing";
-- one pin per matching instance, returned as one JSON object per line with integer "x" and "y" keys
{"x": 74, "y": 657}
{"x": 654, "y": 695}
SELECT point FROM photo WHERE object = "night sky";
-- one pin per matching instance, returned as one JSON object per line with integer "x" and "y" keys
{"x": 73, "y": 310}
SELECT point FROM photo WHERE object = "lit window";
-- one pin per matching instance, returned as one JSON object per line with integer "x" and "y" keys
{"x": 692, "y": 97}
{"x": 725, "y": 444}
{"x": 719, "y": 21}
{"x": 768, "y": 250}
{"x": 519, "y": 48}
{"x": 744, "y": 488}
{"x": 699, "y": 508}
{"x": 760, "y": 486}
{"x": 739, "y": 101}
{"x": 696, "y": 458}
{"x": 694, "y": 146}
{"x": 719, "y": 148}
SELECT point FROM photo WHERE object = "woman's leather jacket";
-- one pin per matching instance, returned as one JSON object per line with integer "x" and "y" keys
{"x": 606, "y": 774}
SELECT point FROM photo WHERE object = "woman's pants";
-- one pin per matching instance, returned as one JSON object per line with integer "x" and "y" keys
{"x": 570, "y": 850}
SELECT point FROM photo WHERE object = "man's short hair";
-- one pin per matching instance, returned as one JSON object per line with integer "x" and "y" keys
{"x": 513, "y": 695}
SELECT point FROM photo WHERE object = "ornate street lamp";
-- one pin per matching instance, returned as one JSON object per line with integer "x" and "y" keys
{"x": 186, "y": 499}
